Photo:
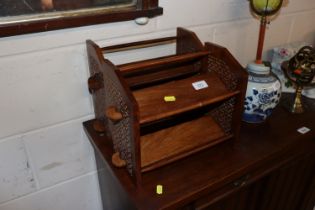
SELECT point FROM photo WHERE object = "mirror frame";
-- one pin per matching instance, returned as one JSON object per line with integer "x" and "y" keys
{"x": 77, "y": 18}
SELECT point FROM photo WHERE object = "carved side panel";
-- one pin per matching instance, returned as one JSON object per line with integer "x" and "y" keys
{"x": 112, "y": 94}
{"x": 121, "y": 132}
{"x": 223, "y": 115}
{"x": 99, "y": 96}
{"x": 226, "y": 75}
{"x": 188, "y": 42}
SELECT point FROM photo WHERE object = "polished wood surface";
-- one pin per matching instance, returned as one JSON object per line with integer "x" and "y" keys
{"x": 153, "y": 107}
{"x": 117, "y": 94}
{"x": 139, "y": 44}
{"x": 271, "y": 167}
{"x": 161, "y": 62}
{"x": 131, "y": 100}
{"x": 177, "y": 141}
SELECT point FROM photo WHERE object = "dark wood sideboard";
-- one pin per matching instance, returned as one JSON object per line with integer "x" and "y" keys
{"x": 271, "y": 167}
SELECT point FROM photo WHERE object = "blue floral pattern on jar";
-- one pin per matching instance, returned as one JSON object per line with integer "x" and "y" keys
{"x": 262, "y": 97}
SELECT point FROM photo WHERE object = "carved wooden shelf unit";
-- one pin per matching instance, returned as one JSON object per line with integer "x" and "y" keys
{"x": 146, "y": 131}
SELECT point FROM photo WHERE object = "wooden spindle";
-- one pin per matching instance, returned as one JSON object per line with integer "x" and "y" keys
{"x": 95, "y": 82}
{"x": 113, "y": 114}
{"x": 117, "y": 161}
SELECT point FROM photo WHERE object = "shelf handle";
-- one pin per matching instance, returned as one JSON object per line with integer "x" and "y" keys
{"x": 117, "y": 161}
{"x": 113, "y": 114}
{"x": 95, "y": 82}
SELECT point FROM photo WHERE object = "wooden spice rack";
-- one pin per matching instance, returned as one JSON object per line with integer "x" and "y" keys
{"x": 148, "y": 132}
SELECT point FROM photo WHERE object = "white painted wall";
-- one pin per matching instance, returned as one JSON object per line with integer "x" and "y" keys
{"x": 46, "y": 161}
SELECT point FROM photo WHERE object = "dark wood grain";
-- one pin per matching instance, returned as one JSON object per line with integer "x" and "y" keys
{"x": 160, "y": 75}
{"x": 153, "y": 107}
{"x": 233, "y": 79}
{"x": 163, "y": 61}
{"x": 139, "y": 44}
{"x": 117, "y": 94}
{"x": 265, "y": 152}
{"x": 178, "y": 141}
{"x": 130, "y": 100}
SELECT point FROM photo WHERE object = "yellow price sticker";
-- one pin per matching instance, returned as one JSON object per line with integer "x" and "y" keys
{"x": 169, "y": 98}
{"x": 159, "y": 189}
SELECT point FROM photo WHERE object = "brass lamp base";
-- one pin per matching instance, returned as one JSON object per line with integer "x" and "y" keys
{"x": 296, "y": 105}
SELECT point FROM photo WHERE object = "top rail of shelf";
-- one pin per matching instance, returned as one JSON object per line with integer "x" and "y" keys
{"x": 139, "y": 45}
{"x": 162, "y": 61}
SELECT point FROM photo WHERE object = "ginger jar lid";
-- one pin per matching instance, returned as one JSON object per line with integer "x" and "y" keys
{"x": 258, "y": 68}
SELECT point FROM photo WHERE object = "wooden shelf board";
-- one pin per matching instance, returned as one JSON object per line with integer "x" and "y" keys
{"x": 173, "y": 143}
{"x": 167, "y": 74}
{"x": 161, "y": 61}
{"x": 153, "y": 107}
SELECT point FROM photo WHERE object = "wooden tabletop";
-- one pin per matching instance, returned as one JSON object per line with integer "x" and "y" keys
{"x": 261, "y": 149}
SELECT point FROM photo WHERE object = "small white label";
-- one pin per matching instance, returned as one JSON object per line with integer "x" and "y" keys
{"x": 303, "y": 130}
{"x": 200, "y": 85}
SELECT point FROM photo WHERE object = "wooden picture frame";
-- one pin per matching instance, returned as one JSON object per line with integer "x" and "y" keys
{"x": 30, "y": 23}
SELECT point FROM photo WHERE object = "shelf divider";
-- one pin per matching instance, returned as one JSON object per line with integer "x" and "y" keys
{"x": 153, "y": 107}
{"x": 170, "y": 144}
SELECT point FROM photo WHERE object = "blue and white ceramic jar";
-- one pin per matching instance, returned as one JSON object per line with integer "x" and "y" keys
{"x": 262, "y": 95}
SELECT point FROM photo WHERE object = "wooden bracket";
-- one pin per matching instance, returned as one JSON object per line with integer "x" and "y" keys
{"x": 117, "y": 161}
{"x": 113, "y": 114}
